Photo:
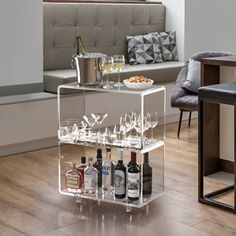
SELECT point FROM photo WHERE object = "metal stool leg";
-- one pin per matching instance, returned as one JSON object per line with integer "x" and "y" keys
{"x": 189, "y": 118}
{"x": 180, "y": 121}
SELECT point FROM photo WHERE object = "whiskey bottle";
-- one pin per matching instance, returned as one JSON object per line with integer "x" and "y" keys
{"x": 147, "y": 176}
{"x": 90, "y": 177}
{"x": 98, "y": 166}
{"x": 73, "y": 179}
{"x": 120, "y": 177}
{"x": 82, "y": 167}
{"x": 133, "y": 179}
{"x": 80, "y": 49}
{"x": 107, "y": 173}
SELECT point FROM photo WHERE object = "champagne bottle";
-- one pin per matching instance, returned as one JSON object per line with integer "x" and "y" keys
{"x": 120, "y": 177}
{"x": 133, "y": 179}
{"x": 80, "y": 50}
{"x": 147, "y": 176}
{"x": 98, "y": 166}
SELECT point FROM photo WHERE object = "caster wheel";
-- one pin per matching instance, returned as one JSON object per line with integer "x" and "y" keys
{"x": 128, "y": 209}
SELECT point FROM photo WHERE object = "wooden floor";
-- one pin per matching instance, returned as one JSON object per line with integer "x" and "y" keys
{"x": 31, "y": 205}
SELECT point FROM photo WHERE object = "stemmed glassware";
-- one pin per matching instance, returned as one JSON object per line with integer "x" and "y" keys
{"x": 99, "y": 117}
{"x": 91, "y": 121}
{"x": 107, "y": 64}
{"x": 119, "y": 64}
{"x": 153, "y": 120}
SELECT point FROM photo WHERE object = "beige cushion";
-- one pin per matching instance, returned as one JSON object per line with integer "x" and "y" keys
{"x": 103, "y": 28}
{"x": 54, "y": 78}
{"x": 165, "y": 72}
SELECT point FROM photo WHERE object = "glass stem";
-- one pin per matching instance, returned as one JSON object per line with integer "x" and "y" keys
{"x": 152, "y": 133}
{"x": 118, "y": 78}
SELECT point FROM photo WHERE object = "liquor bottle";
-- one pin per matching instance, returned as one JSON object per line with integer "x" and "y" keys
{"x": 80, "y": 50}
{"x": 81, "y": 167}
{"x": 73, "y": 179}
{"x": 107, "y": 173}
{"x": 147, "y": 175}
{"x": 120, "y": 177}
{"x": 90, "y": 177}
{"x": 98, "y": 166}
{"x": 133, "y": 179}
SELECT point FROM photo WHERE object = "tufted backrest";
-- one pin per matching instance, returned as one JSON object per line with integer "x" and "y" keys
{"x": 103, "y": 28}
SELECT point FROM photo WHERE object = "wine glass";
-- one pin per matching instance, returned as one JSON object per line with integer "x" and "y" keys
{"x": 153, "y": 120}
{"x": 99, "y": 117}
{"x": 119, "y": 64}
{"x": 107, "y": 64}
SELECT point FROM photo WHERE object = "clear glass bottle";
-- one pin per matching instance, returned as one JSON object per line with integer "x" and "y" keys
{"x": 73, "y": 179}
{"x": 147, "y": 176}
{"x": 107, "y": 173}
{"x": 98, "y": 166}
{"x": 90, "y": 177}
{"x": 82, "y": 167}
{"x": 133, "y": 179}
{"x": 120, "y": 177}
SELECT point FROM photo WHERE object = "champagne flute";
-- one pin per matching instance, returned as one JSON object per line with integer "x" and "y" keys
{"x": 119, "y": 64}
{"x": 107, "y": 64}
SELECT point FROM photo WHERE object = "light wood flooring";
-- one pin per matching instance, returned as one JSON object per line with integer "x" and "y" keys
{"x": 31, "y": 205}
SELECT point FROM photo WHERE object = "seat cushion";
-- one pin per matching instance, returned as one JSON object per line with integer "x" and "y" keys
{"x": 165, "y": 72}
{"x": 54, "y": 78}
{"x": 188, "y": 102}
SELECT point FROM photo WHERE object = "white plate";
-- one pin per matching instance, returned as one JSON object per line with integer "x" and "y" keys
{"x": 138, "y": 86}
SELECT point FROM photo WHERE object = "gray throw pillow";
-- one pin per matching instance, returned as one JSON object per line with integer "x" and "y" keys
{"x": 168, "y": 45}
{"x": 192, "y": 82}
{"x": 143, "y": 49}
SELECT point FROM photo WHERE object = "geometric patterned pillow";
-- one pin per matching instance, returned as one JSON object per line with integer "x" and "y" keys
{"x": 168, "y": 46}
{"x": 143, "y": 49}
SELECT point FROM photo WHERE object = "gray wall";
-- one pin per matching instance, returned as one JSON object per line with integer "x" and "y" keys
{"x": 21, "y": 40}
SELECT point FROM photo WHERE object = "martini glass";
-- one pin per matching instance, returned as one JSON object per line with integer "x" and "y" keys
{"x": 99, "y": 117}
{"x": 91, "y": 121}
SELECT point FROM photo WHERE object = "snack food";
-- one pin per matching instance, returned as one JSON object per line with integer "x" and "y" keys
{"x": 138, "y": 79}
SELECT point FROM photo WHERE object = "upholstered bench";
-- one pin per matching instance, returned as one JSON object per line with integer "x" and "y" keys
{"x": 103, "y": 28}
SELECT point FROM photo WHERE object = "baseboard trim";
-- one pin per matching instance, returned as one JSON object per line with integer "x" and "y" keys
{"x": 227, "y": 166}
{"x": 28, "y": 146}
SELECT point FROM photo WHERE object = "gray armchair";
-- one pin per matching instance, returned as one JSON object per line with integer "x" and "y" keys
{"x": 184, "y": 99}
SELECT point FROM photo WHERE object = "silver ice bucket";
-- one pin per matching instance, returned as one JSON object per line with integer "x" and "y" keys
{"x": 88, "y": 68}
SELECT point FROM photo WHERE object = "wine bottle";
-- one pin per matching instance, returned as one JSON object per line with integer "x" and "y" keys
{"x": 98, "y": 166}
{"x": 81, "y": 167}
{"x": 133, "y": 179}
{"x": 80, "y": 46}
{"x": 147, "y": 176}
{"x": 120, "y": 177}
{"x": 73, "y": 179}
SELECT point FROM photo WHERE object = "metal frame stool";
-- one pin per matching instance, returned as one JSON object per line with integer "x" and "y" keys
{"x": 209, "y": 99}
